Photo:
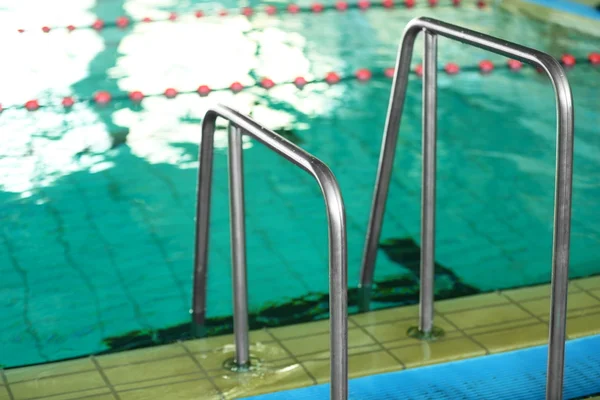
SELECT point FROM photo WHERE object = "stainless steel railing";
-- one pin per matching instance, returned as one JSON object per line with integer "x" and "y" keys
{"x": 338, "y": 252}
{"x": 564, "y": 171}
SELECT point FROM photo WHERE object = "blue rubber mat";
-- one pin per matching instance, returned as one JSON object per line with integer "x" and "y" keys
{"x": 517, "y": 375}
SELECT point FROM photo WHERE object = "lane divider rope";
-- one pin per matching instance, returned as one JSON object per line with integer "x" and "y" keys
{"x": 485, "y": 67}
{"x": 315, "y": 8}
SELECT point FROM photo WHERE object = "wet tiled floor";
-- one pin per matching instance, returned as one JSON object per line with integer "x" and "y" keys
{"x": 297, "y": 355}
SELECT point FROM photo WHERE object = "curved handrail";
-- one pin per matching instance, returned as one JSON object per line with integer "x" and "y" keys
{"x": 564, "y": 170}
{"x": 338, "y": 257}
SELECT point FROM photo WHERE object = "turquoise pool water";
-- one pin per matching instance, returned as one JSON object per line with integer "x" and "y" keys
{"x": 97, "y": 203}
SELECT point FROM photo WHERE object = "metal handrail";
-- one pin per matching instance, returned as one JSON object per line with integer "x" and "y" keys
{"x": 336, "y": 216}
{"x": 563, "y": 184}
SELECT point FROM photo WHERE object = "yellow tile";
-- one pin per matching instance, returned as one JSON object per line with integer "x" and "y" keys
{"x": 470, "y": 302}
{"x": 583, "y": 326}
{"x": 393, "y": 331}
{"x": 265, "y": 353}
{"x": 487, "y": 316}
{"x": 426, "y": 353}
{"x": 577, "y": 304}
{"x": 3, "y": 393}
{"x": 94, "y": 394}
{"x": 409, "y": 341}
{"x": 57, "y": 385}
{"x": 588, "y": 283}
{"x": 515, "y": 338}
{"x": 502, "y": 327}
{"x": 198, "y": 389}
{"x": 151, "y": 370}
{"x": 141, "y": 355}
{"x": 300, "y": 330}
{"x": 387, "y": 315}
{"x": 320, "y": 342}
{"x": 212, "y": 343}
{"x": 535, "y": 292}
{"x": 241, "y": 385}
{"x": 358, "y": 365}
{"x": 161, "y": 381}
{"x": 50, "y": 369}
{"x": 324, "y": 355}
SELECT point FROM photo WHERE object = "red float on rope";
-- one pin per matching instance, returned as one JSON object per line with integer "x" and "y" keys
{"x": 363, "y": 4}
{"x": 389, "y": 72}
{"x": 271, "y": 10}
{"x": 432, "y": 3}
{"x": 68, "y": 102}
{"x": 102, "y": 97}
{"x": 172, "y": 16}
{"x": 514, "y": 65}
{"x": 98, "y": 24}
{"x": 388, "y": 3}
{"x": 341, "y": 5}
{"x": 419, "y": 69}
{"x": 32, "y": 105}
{"x": 363, "y": 74}
{"x": 199, "y": 14}
{"x": 452, "y": 68}
{"x": 247, "y": 11}
{"x": 317, "y": 7}
{"x": 223, "y": 13}
{"x": 300, "y": 82}
{"x": 486, "y": 66}
{"x": 594, "y": 58}
{"x": 236, "y": 87}
{"x": 45, "y": 29}
{"x": 481, "y": 4}
{"x": 71, "y": 28}
{"x": 293, "y": 8}
{"x": 136, "y": 96}
{"x": 170, "y": 93}
{"x": 203, "y": 90}
{"x": 147, "y": 19}
{"x": 267, "y": 83}
{"x": 409, "y": 3}
{"x": 332, "y": 78}
{"x": 456, "y": 3}
{"x": 568, "y": 60}
{"x": 122, "y": 22}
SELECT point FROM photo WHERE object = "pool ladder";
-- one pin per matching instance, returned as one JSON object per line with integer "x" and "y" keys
{"x": 240, "y": 124}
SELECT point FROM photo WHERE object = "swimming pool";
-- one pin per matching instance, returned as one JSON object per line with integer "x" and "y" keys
{"x": 98, "y": 202}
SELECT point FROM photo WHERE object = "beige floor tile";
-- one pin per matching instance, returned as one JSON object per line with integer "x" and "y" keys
{"x": 388, "y": 315}
{"x": 358, "y": 365}
{"x": 94, "y": 394}
{"x": 160, "y": 381}
{"x": 141, "y": 355}
{"x": 3, "y": 393}
{"x": 57, "y": 385}
{"x": 265, "y": 353}
{"x": 324, "y": 355}
{"x": 301, "y": 330}
{"x": 501, "y": 327}
{"x": 47, "y": 370}
{"x": 487, "y": 316}
{"x": 393, "y": 331}
{"x": 252, "y": 383}
{"x": 535, "y": 292}
{"x": 579, "y": 303}
{"x": 426, "y": 353}
{"x": 212, "y": 343}
{"x": 409, "y": 341}
{"x": 583, "y": 326}
{"x": 515, "y": 338}
{"x": 470, "y": 302}
{"x": 151, "y": 370}
{"x": 199, "y": 389}
{"x": 588, "y": 283}
{"x": 320, "y": 342}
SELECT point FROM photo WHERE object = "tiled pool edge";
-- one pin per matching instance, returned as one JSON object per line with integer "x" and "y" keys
{"x": 297, "y": 355}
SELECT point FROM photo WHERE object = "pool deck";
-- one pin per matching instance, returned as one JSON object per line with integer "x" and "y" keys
{"x": 297, "y": 356}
